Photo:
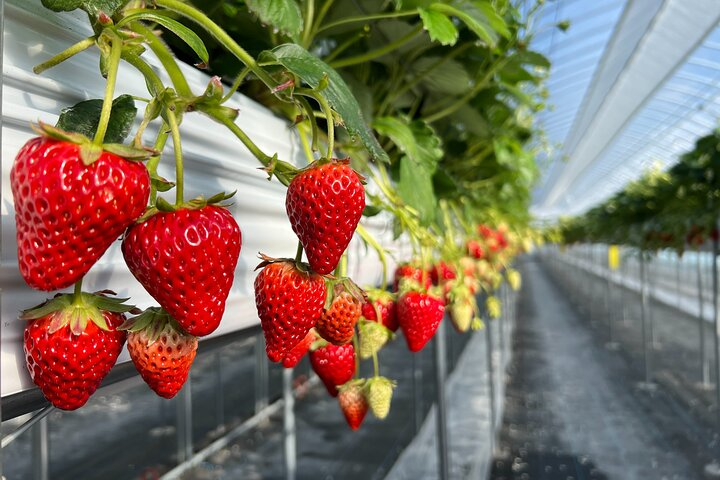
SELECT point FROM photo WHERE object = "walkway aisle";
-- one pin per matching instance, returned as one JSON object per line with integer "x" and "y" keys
{"x": 574, "y": 410}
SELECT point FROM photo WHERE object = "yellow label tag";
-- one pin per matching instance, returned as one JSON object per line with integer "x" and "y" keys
{"x": 613, "y": 257}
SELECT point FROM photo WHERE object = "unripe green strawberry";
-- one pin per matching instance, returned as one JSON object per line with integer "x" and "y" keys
{"x": 353, "y": 403}
{"x": 71, "y": 344}
{"x": 289, "y": 302}
{"x": 378, "y": 393}
{"x": 513, "y": 278}
{"x": 161, "y": 351}
{"x": 494, "y": 307}
{"x": 324, "y": 204}
{"x": 68, "y": 213}
{"x": 373, "y": 337}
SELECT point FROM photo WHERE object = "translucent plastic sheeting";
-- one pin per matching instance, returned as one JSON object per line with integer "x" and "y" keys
{"x": 654, "y": 92}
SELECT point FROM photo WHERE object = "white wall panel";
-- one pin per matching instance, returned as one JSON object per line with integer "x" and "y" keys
{"x": 215, "y": 161}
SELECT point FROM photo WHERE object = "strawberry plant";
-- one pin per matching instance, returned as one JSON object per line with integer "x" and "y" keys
{"x": 420, "y": 111}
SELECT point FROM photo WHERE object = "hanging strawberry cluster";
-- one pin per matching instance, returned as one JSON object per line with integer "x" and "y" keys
{"x": 79, "y": 186}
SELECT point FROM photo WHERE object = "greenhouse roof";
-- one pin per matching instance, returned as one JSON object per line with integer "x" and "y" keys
{"x": 632, "y": 85}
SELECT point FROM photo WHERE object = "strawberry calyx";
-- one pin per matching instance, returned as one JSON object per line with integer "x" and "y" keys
{"x": 379, "y": 295}
{"x": 77, "y": 310}
{"x": 337, "y": 286}
{"x": 267, "y": 260}
{"x": 162, "y": 205}
{"x": 155, "y": 321}
{"x": 89, "y": 151}
{"x": 318, "y": 343}
{"x": 335, "y": 161}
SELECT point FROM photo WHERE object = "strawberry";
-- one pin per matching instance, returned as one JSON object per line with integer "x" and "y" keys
{"x": 412, "y": 272}
{"x": 161, "y": 351}
{"x": 289, "y": 300}
{"x": 353, "y": 403}
{"x": 384, "y": 303}
{"x": 373, "y": 336}
{"x": 293, "y": 357}
{"x": 337, "y": 323}
{"x": 419, "y": 315}
{"x": 335, "y": 365}
{"x": 71, "y": 344}
{"x": 186, "y": 260}
{"x": 324, "y": 203}
{"x": 475, "y": 250}
{"x": 442, "y": 272}
{"x": 378, "y": 393}
{"x": 67, "y": 212}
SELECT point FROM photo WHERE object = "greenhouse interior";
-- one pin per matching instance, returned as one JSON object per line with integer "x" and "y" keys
{"x": 453, "y": 239}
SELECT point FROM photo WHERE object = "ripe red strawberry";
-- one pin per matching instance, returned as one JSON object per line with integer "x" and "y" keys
{"x": 412, "y": 272}
{"x": 161, "y": 351}
{"x": 353, "y": 403}
{"x": 442, "y": 272}
{"x": 289, "y": 302}
{"x": 186, "y": 260}
{"x": 475, "y": 250}
{"x": 335, "y": 365}
{"x": 324, "y": 203}
{"x": 419, "y": 315}
{"x": 293, "y": 357}
{"x": 67, "y": 213}
{"x": 383, "y": 302}
{"x": 337, "y": 323}
{"x": 70, "y": 346}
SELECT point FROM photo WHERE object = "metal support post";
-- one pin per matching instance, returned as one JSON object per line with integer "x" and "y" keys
{"x": 704, "y": 365}
{"x": 647, "y": 355}
{"x": 41, "y": 450}
{"x": 716, "y": 326}
{"x": 289, "y": 432}
{"x": 650, "y": 277}
{"x": 219, "y": 392}
{"x": 184, "y": 422}
{"x": 491, "y": 380}
{"x": 441, "y": 407}
{"x": 417, "y": 404}
{"x": 261, "y": 374}
{"x": 678, "y": 264}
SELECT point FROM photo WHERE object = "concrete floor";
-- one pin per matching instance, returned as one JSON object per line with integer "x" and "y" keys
{"x": 576, "y": 410}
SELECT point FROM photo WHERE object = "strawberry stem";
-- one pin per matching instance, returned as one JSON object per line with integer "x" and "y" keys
{"x": 152, "y": 163}
{"x": 330, "y": 119}
{"x": 113, "y": 65}
{"x": 65, "y": 54}
{"x": 365, "y": 235}
{"x": 376, "y": 364}
{"x": 356, "y": 346}
{"x": 77, "y": 293}
{"x": 177, "y": 147}
{"x": 298, "y": 254}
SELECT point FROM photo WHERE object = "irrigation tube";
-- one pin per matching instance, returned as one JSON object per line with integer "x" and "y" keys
{"x": 717, "y": 331}
{"x": 644, "y": 305}
{"x": 704, "y": 366}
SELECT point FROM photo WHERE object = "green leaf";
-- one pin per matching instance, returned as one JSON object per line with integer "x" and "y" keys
{"x": 186, "y": 35}
{"x": 416, "y": 139}
{"x": 312, "y": 70}
{"x": 450, "y": 77}
{"x": 530, "y": 57}
{"x": 494, "y": 20}
{"x": 84, "y": 118}
{"x": 92, "y": 7}
{"x": 416, "y": 189}
{"x": 439, "y": 26}
{"x": 284, "y": 15}
{"x": 470, "y": 16}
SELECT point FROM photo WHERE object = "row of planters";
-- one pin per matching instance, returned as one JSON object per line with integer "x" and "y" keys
{"x": 430, "y": 105}
{"x": 674, "y": 209}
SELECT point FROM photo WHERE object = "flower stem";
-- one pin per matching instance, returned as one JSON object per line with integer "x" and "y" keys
{"x": 77, "y": 292}
{"x": 309, "y": 17}
{"x": 376, "y": 365}
{"x": 152, "y": 163}
{"x": 113, "y": 64}
{"x": 356, "y": 346}
{"x": 155, "y": 85}
{"x": 379, "y": 52}
{"x": 236, "y": 84}
{"x": 330, "y": 119}
{"x": 65, "y": 54}
{"x": 365, "y": 235}
{"x": 177, "y": 147}
{"x": 220, "y": 35}
{"x": 163, "y": 53}
{"x": 298, "y": 253}
{"x": 367, "y": 18}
